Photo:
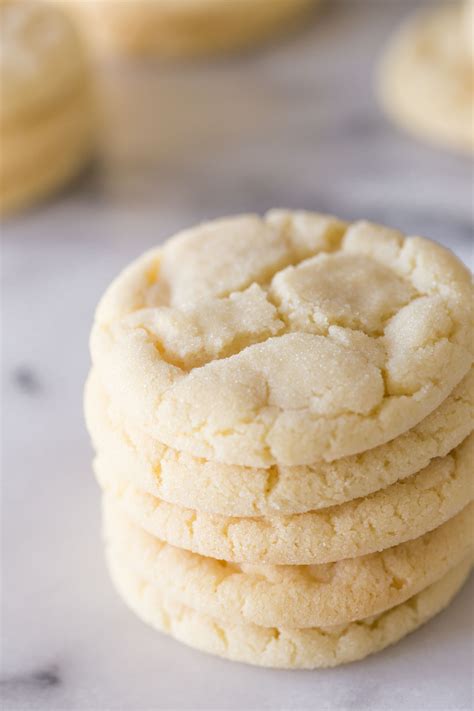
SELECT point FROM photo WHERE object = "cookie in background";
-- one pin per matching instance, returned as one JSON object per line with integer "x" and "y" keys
{"x": 426, "y": 78}
{"x": 185, "y": 28}
{"x": 47, "y": 119}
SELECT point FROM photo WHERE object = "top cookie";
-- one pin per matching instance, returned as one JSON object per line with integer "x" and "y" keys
{"x": 286, "y": 339}
{"x": 41, "y": 57}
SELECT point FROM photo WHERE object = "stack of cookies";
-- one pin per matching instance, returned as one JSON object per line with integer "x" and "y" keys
{"x": 282, "y": 412}
{"x": 47, "y": 119}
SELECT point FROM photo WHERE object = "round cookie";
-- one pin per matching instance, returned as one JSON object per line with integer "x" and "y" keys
{"x": 290, "y": 596}
{"x": 182, "y": 479}
{"x": 426, "y": 77}
{"x": 405, "y": 510}
{"x": 46, "y": 117}
{"x": 289, "y": 339}
{"x": 187, "y": 27}
{"x": 284, "y": 647}
{"x": 468, "y": 25}
{"x": 39, "y": 158}
{"x": 41, "y": 58}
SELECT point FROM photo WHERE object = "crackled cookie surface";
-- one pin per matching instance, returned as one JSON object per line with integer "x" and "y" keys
{"x": 403, "y": 511}
{"x": 284, "y": 647}
{"x": 427, "y": 76}
{"x": 46, "y": 115}
{"x": 186, "y": 27}
{"x": 285, "y": 340}
{"x": 291, "y": 596}
{"x": 181, "y": 478}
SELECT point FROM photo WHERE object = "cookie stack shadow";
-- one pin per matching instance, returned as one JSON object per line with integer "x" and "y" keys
{"x": 222, "y": 363}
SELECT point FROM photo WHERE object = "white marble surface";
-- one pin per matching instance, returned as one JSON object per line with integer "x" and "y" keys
{"x": 293, "y": 125}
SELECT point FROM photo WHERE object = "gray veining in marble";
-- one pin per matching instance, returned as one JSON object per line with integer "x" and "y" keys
{"x": 294, "y": 124}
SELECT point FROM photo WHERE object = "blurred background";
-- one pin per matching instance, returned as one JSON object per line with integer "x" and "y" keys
{"x": 293, "y": 123}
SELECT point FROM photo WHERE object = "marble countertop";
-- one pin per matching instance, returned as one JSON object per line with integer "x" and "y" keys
{"x": 294, "y": 124}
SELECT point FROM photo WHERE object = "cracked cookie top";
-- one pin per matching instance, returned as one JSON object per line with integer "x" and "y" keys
{"x": 287, "y": 339}
{"x": 41, "y": 57}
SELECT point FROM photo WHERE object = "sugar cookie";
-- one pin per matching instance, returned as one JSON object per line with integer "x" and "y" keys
{"x": 403, "y": 511}
{"x": 186, "y": 27}
{"x": 426, "y": 78}
{"x": 291, "y": 596}
{"x": 46, "y": 106}
{"x": 284, "y": 647}
{"x": 182, "y": 479}
{"x": 218, "y": 346}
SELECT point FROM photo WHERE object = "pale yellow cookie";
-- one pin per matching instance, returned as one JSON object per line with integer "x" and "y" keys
{"x": 182, "y": 479}
{"x": 185, "y": 27}
{"x": 41, "y": 58}
{"x": 468, "y": 25}
{"x": 284, "y": 340}
{"x": 427, "y": 75}
{"x": 40, "y": 157}
{"x": 405, "y": 510}
{"x": 47, "y": 118}
{"x": 280, "y": 646}
{"x": 290, "y": 596}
